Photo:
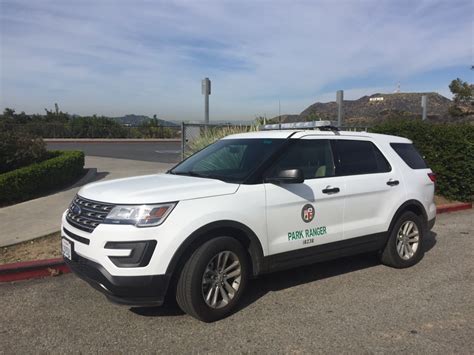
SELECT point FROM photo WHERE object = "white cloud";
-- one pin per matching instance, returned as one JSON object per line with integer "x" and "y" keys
{"x": 116, "y": 57}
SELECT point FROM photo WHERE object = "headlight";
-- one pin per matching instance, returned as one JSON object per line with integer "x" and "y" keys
{"x": 140, "y": 216}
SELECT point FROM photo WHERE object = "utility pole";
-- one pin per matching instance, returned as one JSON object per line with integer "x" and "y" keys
{"x": 279, "y": 112}
{"x": 424, "y": 106}
{"x": 340, "y": 101}
{"x": 206, "y": 91}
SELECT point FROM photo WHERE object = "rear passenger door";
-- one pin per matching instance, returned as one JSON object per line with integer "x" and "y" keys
{"x": 372, "y": 186}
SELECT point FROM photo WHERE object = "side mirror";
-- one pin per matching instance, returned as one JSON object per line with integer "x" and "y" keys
{"x": 289, "y": 176}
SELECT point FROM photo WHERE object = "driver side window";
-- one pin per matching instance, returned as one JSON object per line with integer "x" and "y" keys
{"x": 313, "y": 156}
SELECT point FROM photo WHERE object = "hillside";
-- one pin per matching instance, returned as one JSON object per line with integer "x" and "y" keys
{"x": 135, "y": 120}
{"x": 377, "y": 107}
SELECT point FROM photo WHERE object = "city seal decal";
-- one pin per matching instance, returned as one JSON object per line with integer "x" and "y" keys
{"x": 307, "y": 213}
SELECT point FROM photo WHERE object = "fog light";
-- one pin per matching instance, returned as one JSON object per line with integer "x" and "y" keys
{"x": 140, "y": 254}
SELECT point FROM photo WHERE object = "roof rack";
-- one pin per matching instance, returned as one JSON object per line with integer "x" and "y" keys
{"x": 319, "y": 125}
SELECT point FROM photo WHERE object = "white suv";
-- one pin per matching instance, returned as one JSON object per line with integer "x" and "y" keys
{"x": 249, "y": 204}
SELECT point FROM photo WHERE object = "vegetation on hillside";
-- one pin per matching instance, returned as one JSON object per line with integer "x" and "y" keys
{"x": 463, "y": 98}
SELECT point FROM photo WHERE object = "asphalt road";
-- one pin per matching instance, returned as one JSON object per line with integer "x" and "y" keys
{"x": 352, "y": 305}
{"x": 163, "y": 152}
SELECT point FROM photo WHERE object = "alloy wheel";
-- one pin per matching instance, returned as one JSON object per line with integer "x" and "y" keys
{"x": 221, "y": 279}
{"x": 408, "y": 240}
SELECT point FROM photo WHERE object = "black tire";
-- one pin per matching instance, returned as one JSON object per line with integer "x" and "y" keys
{"x": 390, "y": 256}
{"x": 189, "y": 290}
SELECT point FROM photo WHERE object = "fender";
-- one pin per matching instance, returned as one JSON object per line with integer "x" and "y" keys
{"x": 225, "y": 227}
{"x": 410, "y": 205}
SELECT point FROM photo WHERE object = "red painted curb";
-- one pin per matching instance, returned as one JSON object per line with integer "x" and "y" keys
{"x": 452, "y": 207}
{"x": 32, "y": 269}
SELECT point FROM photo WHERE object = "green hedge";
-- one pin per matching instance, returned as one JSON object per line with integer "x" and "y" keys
{"x": 61, "y": 169}
{"x": 448, "y": 149}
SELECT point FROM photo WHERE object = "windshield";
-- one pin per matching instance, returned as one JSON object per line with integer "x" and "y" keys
{"x": 230, "y": 160}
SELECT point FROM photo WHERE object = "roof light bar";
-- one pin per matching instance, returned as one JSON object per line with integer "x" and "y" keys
{"x": 297, "y": 125}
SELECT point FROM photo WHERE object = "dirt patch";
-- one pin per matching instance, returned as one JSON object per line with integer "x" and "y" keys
{"x": 47, "y": 247}
{"x": 441, "y": 200}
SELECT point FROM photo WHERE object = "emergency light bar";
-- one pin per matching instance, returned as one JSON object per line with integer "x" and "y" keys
{"x": 322, "y": 125}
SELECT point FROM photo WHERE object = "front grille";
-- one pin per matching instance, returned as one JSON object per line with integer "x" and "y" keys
{"x": 87, "y": 214}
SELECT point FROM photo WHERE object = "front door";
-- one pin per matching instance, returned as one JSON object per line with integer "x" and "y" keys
{"x": 309, "y": 213}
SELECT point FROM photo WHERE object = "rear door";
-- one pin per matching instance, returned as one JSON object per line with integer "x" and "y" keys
{"x": 373, "y": 186}
{"x": 309, "y": 213}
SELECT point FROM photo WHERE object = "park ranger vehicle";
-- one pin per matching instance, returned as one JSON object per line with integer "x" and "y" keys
{"x": 249, "y": 204}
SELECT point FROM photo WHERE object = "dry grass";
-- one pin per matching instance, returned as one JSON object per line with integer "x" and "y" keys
{"x": 46, "y": 247}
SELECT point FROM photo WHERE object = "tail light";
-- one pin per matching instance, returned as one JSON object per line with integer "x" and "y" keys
{"x": 432, "y": 177}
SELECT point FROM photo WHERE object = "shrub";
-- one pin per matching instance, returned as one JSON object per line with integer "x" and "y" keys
{"x": 448, "y": 149}
{"x": 19, "y": 150}
{"x": 61, "y": 169}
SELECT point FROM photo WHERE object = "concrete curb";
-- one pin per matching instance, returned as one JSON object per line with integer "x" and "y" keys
{"x": 453, "y": 207}
{"x": 54, "y": 267}
{"x": 32, "y": 269}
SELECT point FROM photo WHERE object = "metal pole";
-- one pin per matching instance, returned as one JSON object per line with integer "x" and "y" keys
{"x": 279, "y": 114}
{"x": 339, "y": 101}
{"x": 206, "y": 108}
{"x": 424, "y": 105}
{"x": 183, "y": 141}
{"x": 206, "y": 91}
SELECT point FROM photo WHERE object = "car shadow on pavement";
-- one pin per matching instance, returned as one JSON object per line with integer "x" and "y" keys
{"x": 277, "y": 281}
{"x": 281, "y": 280}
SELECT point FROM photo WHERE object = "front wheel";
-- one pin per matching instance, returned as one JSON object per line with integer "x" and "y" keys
{"x": 405, "y": 244}
{"x": 213, "y": 279}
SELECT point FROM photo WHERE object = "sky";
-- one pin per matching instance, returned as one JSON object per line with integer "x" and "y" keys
{"x": 148, "y": 57}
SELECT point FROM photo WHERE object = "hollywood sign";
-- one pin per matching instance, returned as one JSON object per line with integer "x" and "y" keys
{"x": 371, "y": 99}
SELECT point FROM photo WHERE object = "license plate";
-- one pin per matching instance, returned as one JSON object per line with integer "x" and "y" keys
{"x": 66, "y": 248}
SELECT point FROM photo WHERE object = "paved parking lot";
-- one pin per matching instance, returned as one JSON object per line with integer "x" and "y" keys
{"x": 351, "y": 305}
{"x": 163, "y": 152}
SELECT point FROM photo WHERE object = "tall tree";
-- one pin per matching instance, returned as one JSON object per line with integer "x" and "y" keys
{"x": 463, "y": 91}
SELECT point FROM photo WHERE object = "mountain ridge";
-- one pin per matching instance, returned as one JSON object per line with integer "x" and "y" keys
{"x": 376, "y": 107}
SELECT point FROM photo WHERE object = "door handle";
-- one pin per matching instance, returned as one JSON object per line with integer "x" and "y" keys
{"x": 392, "y": 182}
{"x": 331, "y": 190}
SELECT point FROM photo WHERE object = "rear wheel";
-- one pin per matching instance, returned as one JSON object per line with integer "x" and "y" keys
{"x": 213, "y": 279}
{"x": 405, "y": 244}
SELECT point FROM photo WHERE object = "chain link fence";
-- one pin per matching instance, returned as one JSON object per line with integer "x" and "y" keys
{"x": 195, "y": 136}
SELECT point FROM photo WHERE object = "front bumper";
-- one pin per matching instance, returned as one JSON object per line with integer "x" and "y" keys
{"x": 149, "y": 290}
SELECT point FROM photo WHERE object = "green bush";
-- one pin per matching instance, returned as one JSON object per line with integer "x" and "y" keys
{"x": 61, "y": 169}
{"x": 448, "y": 149}
{"x": 19, "y": 150}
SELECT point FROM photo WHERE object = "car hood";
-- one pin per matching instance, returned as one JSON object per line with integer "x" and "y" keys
{"x": 155, "y": 188}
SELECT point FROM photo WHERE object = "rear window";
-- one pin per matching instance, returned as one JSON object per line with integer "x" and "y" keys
{"x": 410, "y": 155}
{"x": 359, "y": 157}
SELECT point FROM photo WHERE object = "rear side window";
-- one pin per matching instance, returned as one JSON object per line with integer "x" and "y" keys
{"x": 410, "y": 155}
{"x": 359, "y": 157}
